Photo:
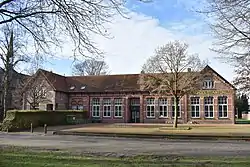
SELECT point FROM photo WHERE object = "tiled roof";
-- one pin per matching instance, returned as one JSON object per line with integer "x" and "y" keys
{"x": 101, "y": 83}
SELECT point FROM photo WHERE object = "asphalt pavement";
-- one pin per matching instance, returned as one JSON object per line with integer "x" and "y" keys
{"x": 102, "y": 145}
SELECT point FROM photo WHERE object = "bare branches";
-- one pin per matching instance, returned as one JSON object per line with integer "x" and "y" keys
{"x": 166, "y": 71}
{"x": 230, "y": 25}
{"x": 242, "y": 81}
{"x": 172, "y": 71}
{"x": 47, "y": 22}
{"x": 91, "y": 67}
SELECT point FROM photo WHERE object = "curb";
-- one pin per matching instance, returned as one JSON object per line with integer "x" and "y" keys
{"x": 155, "y": 136}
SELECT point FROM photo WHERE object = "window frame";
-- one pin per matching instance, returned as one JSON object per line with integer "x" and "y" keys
{"x": 222, "y": 105}
{"x": 208, "y": 105}
{"x": 208, "y": 83}
{"x": 96, "y": 103}
{"x": 107, "y": 107}
{"x": 195, "y": 105}
{"x": 163, "y": 104}
{"x": 118, "y": 104}
{"x": 151, "y": 106}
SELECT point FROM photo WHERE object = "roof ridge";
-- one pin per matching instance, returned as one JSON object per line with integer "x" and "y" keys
{"x": 100, "y": 75}
{"x": 43, "y": 70}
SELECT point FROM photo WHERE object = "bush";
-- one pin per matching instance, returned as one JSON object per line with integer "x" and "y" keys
{"x": 21, "y": 119}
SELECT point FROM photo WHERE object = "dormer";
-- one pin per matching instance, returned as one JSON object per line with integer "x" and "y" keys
{"x": 72, "y": 88}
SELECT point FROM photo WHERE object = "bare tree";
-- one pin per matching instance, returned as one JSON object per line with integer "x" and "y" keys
{"x": 10, "y": 57}
{"x": 47, "y": 22}
{"x": 172, "y": 71}
{"x": 36, "y": 91}
{"x": 91, "y": 67}
{"x": 242, "y": 80}
{"x": 230, "y": 22}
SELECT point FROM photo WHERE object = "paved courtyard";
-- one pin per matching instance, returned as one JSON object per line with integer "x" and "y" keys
{"x": 107, "y": 145}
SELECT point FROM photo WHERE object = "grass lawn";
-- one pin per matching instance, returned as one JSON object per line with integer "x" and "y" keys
{"x": 27, "y": 158}
{"x": 167, "y": 129}
{"x": 242, "y": 121}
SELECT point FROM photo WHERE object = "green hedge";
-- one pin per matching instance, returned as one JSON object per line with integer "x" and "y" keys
{"x": 21, "y": 119}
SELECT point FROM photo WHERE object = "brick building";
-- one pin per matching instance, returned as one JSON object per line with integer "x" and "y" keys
{"x": 14, "y": 101}
{"x": 119, "y": 98}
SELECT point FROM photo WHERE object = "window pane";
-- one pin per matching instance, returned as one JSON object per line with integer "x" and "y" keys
{"x": 225, "y": 113}
{"x": 211, "y": 108}
{"x": 220, "y": 114}
{"x": 197, "y": 114}
{"x": 193, "y": 114}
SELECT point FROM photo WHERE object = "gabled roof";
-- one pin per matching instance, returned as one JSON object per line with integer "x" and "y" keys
{"x": 208, "y": 68}
{"x": 101, "y": 83}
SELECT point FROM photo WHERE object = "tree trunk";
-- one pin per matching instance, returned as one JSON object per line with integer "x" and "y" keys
{"x": 5, "y": 95}
{"x": 176, "y": 102}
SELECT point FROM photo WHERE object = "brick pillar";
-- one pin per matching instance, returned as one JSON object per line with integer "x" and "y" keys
{"x": 88, "y": 106}
{"x": 141, "y": 109}
{"x": 112, "y": 108}
{"x": 231, "y": 108}
{"x": 170, "y": 108}
{"x": 126, "y": 109}
{"x": 186, "y": 108}
{"x": 101, "y": 108}
{"x": 216, "y": 113}
{"x": 202, "y": 110}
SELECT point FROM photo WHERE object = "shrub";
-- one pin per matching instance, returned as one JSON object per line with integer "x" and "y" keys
{"x": 21, "y": 119}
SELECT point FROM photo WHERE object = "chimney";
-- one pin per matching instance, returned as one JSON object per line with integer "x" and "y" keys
{"x": 189, "y": 69}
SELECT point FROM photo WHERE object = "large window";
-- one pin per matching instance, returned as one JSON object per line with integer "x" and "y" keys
{"x": 195, "y": 107}
{"x": 150, "y": 108}
{"x": 222, "y": 104}
{"x": 209, "y": 107}
{"x": 107, "y": 107}
{"x": 173, "y": 108}
{"x": 118, "y": 107}
{"x": 95, "y": 107}
{"x": 163, "y": 106}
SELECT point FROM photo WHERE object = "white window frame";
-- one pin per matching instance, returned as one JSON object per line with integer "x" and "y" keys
{"x": 195, "y": 104}
{"x": 107, "y": 107}
{"x": 173, "y": 107}
{"x": 163, "y": 103}
{"x": 223, "y": 104}
{"x": 209, "y": 105}
{"x": 208, "y": 83}
{"x": 96, "y": 104}
{"x": 118, "y": 107}
{"x": 151, "y": 105}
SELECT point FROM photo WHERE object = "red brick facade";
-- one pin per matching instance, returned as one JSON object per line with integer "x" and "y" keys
{"x": 118, "y": 99}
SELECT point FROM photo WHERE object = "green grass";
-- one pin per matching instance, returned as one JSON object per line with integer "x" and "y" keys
{"x": 242, "y": 121}
{"x": 13, "y": 157}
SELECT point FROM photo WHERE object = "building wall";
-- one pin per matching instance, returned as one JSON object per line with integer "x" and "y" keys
{"x": 61, "y": 100}
{"x": 43, "y": 102}
{"x": 184, "y": 103}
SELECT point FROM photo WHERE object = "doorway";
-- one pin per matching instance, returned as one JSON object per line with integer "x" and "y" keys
{"x": 135, "y": 110}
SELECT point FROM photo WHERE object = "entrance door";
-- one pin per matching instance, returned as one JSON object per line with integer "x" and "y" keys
{"x": 135, "y": 114}
{"x": 135, "y": 110}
